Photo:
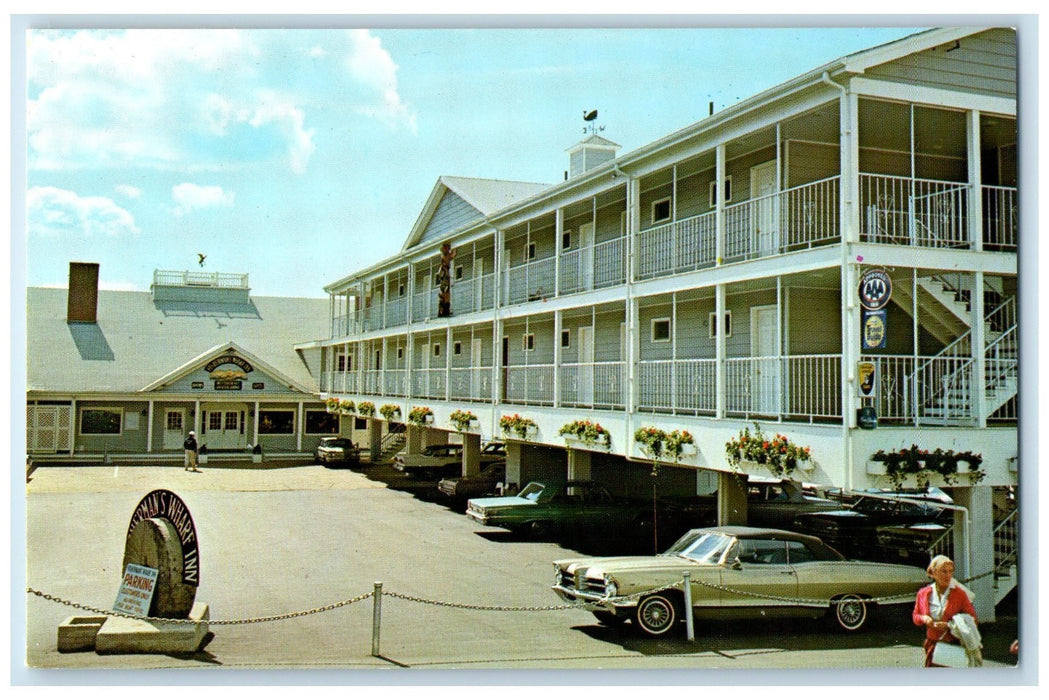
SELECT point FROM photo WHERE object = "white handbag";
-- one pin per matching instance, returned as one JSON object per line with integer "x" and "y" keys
{"x": 949, "y": 655}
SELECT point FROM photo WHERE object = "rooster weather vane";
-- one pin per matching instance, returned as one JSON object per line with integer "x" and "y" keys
{"x": 590, "y": 117}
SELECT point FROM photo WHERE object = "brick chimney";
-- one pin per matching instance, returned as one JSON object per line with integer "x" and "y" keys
{"x": 82, "y": 306}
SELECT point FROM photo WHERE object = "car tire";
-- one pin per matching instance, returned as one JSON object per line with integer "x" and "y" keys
{"x": 656, "y": 614}
{"x": 850, "y": 612}
{"x": 540, "y": 529}
{"x": 609, "y": 619}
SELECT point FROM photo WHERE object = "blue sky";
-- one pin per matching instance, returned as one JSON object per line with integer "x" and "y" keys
{"x": 301, "y": 155}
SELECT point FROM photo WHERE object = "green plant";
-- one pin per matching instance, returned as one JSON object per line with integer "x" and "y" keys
{"x": 656, "y": 442}
{"x": 923, "y": 464}
{"x": 332, "y": 404}
{"x": 778, "y": 453}
{"x": 419, "y": 414}
{"x": 365, "y": 408}
{"x": 462, "y": 419}
{"x": 389, "y": 410}
{"x": 587, "y": 431}
{"x": 346, "y": 406}
{"x": 517, "y": 424}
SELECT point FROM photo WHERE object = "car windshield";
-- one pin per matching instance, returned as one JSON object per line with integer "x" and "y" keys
{"x": 700, "y": 546}
{"x": 531, "y": 492}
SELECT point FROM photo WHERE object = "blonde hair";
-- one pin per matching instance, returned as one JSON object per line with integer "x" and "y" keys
{"x": 937, "y": 561}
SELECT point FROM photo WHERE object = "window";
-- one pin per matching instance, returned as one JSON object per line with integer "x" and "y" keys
{"x": 712, "y": 322}
{"x": 400, "y": 289}
{"x": 232, "y": 420}
{"x": 458, "y": 272}
{"x": 400, "y": 353}
{"x": 566, "y": 240}
{"x": 661, "y": 210}
{"x": 566, "y": 339}
{"x": 215, "y": 420}
{"x": 101, "y": 421}
{"x": 436, "y": 349}
{"x": 528, "y": 341}
{"x": 661, "y": 330}
{"x": 714, "y": 191}
{"x": 530, "y": 252}
{"x": 276, "y": 422}
{"x": 457, "y": 347}
{"x": 321, "y": 423}
{"x": 360, "y": 423}
{"x": 340, "y": 363}
{"x": 173, "y": 421}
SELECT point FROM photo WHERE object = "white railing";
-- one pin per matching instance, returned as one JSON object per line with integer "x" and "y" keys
{"x": 474, "y": 294}
{"x": 1000, "y": 217}
{"x": 678, "y": 386}
{"x": 429, "y": 383}
{"x": 1006, "y": 541}
{"x": 529, "y": 384}
{"x": 530, "y": 282}
{"x": 336, "y": 382}
{"x": 593, "y": 385}
{"x": 395, "y": 382}
{"x": 396, "y": 313}
{"x": 592, "y": 267}
{"x": 680, "y": 246}
{"x": 801, "y": 217}
{"x": 911, "y": 211}
{"x": 424, "y": 305}
{"x": 923, "y": 389}
{"x": 189, "y": 278}
{"x": 470, "y": 384}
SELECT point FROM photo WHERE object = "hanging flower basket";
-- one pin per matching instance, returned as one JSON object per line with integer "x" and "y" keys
{"x": 332, "y": 404}
{"x": 778, "y": 454}
{"x": 464, "y": 420}
{"x": 390, "y": 412}
{"x": 366, "y": 409}
{"x": 346, "y": 407}
{"x": 586, "y": 432}
{"x": 925, "y": 466}
{"x": 420, "y": 415}
{"x": 523, "y": 428}
{"x": 656, "y": 443}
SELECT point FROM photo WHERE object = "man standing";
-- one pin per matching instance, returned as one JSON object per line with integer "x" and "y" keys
{"x": 190, "y": 445}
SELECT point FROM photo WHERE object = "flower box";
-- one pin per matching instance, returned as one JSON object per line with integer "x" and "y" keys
{"x": 601, "y": 442}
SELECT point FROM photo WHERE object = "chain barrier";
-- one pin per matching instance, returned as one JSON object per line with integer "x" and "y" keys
{"x": 244, "y": 621}
{"x": 578, "y": 605}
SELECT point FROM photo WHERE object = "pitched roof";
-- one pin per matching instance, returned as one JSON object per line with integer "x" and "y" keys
{"x": 138, "y": 341}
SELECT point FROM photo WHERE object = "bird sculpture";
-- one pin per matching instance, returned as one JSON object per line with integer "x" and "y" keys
{"x": 589, "y": 116}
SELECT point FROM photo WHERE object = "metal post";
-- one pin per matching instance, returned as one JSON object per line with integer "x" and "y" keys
{"x": 376, "y": 617}
{"x": 690, "y": 634}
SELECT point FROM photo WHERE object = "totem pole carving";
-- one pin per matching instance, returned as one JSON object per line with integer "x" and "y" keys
{"x": 444, "y": 281}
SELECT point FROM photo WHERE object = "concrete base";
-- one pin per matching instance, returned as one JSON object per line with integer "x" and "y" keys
{"x": 78, "y": 633}
{"x": 124, "y": 635}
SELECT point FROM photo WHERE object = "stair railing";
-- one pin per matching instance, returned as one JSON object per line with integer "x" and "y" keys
{"x": 1006, "y": 541}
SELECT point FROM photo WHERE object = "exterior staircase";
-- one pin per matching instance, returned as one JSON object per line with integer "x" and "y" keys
{"x": 1006, "y": 551}
{"x": 392, "y": 442}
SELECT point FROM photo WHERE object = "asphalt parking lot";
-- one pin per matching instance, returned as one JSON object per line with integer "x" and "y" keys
{"x": 275, "y": 541}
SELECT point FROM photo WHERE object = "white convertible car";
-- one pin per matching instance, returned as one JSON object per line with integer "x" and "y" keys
{"x": 736, "y": 572}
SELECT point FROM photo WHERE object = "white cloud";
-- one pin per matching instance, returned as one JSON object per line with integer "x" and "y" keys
{"x": 52, "y": 212}
{"x": 371, "y": 65}
{"x": 129, "y": 191}
{"x": 190, "y": 197}
{"x": 198, "y": 99}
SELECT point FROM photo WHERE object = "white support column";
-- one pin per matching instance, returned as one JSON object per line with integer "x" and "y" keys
{"x": 558, "y": 321}
{"x": 258, "y": 422}
{"x": 978, "y": 343}
{"x": 559, "y": 229}
{"x": 975, "y": 181}
{"x": 196, "y": 416}
{"x": 471, "y": 454}
{"x": 579, "y": 464}
{"x": 719, "y": 205}
{"x": 149, "y": 427}
{"x": 719, "y": 351}
{"x": 673, "y": 352}
{"x": 72, "y": 427}
{"x": 975, "y": 558}
{"x": 732, "y": 499}
{"x": 301, "y": 428}
{"x": 448, "y": 363}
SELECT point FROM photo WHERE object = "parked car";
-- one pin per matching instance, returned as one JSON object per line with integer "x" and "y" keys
{"x": 436, "y": 461}
{"x": 463, "y": 488}
{"x": 854, "y": 530}
{"x": 776, "y": 502}
{"x": 337, "y": 450}
{"x": 736, "y": 572}
{"x": 550, "y": 507}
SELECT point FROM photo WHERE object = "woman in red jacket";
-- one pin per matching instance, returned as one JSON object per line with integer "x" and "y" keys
{"x": 939, "y": 602}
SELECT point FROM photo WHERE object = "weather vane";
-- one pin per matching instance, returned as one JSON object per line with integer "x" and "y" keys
{"x": 591, "y": 122}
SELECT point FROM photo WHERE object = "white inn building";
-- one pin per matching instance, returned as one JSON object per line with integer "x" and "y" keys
{"x": 711, "y": 281}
